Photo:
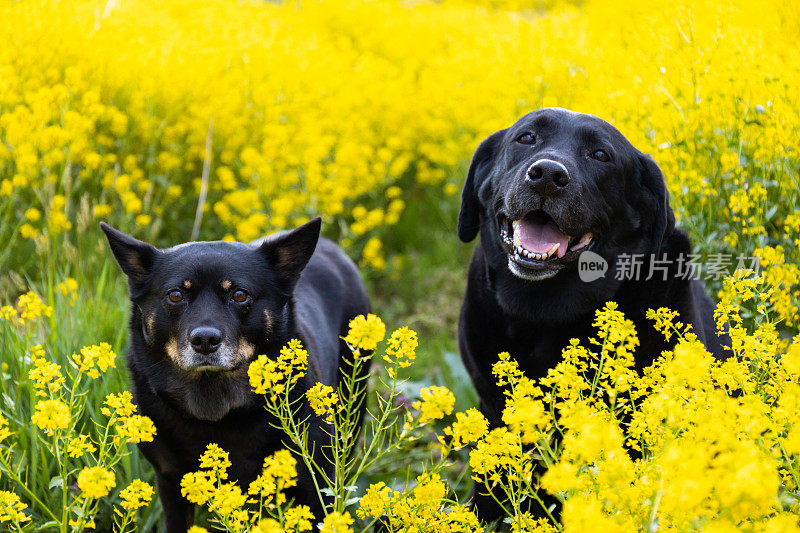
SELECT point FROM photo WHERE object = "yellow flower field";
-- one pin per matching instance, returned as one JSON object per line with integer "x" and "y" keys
{"x": 211, "y": 119}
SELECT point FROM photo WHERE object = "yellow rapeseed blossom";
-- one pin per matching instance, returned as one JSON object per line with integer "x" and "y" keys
{"x": 92, "y": 360}
{"x": 51, "y": 415}
{"x": 137, "y": 494}
{"x": 45, "y": 375}
{"x": 298, "y": 518}
{"x": 468, "y": 427}
{"x": 365, "y": 332}
{"x": 4, "y": 431}
{"x": 197, "y": 487}
{"x": 267, "y": 525}
{"x": 120, "y": 405}
{"x": 12, "y": 508}
{"x": 323, "y": 400}
{"x": 136, "y": 429}
{"x": 337, "y": 522}
{"x": 31, "y": 307}
{"x": 95, "y": 482}
{"x": 77, "y": 446}
{"x": 216, "y": 461}
{"x": 268, "y": 376}
{"x": 401, "y": 348}
{"x": 376, "y": 500}
{"x": 436, "y": 402}
{"x": 278, "y": 474}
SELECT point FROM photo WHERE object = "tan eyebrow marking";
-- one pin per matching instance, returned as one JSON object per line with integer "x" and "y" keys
{"x": 268, "y": 319}
{"x": 187, "y": 284}
{"x": 226, "y": 284}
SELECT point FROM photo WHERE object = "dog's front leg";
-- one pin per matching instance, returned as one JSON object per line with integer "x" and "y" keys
{"x": 178, "y": 512}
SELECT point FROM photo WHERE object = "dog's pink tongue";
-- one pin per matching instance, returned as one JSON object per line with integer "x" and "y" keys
{"x": 540, "y": 238}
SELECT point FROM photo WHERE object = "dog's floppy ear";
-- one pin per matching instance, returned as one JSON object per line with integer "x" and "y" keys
{"x": 135, "y": 257}
{"x": 469, "y": 220}
{"x": 289, "y": 252}
{"x": 652, "y": 180}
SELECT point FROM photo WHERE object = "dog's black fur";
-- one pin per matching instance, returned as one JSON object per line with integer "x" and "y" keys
{"x": 292, "y": 285}
{"x": 532, "y": 308}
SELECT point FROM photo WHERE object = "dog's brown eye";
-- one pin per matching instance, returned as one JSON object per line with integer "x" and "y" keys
{"x": 601, "y": 156}
{"x": 526, "y": 138}
{"x": 175, "y": 296}
{"x": 240, "y": 296}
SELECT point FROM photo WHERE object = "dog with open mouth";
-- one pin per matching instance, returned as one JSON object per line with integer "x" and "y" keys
{"x": 201, "y": 312}
{"x": 553, "y": 186}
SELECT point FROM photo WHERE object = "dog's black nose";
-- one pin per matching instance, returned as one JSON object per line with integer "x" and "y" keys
{"x": 205, "y": 340}
{"x": 547, "y": 176}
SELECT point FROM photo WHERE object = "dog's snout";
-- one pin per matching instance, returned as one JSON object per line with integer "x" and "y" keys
{"x": 547, "y": 176}
{"x": 205, "y": 340}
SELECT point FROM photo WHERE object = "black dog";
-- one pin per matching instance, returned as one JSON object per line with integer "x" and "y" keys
{"x": 554, "y": 185}
{"x": 201, "y": 312}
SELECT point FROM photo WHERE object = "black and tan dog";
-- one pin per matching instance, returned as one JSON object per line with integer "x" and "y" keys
{"x": 201, "y": 312}
{"x": 552, "y": 186}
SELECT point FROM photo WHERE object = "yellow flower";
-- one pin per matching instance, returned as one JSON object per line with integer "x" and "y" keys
{"x": 323, "y": 400}
{"x": 101, "y": 210}
{"x": 365, "y": 332}
{"x": 33, "y": 214}
{"x": 468, "y": 427}
{"x": 51, "y": 415}
{"x": 4, "y": 431}
{"x": 79, "y": 445}
{"x": 28, "y": 232}
{"x": 69, "y": 287}
{"x": 46, "y": 376}
{"x": 298, "y": 519}
{"x": 227, "y": 499}
{"x": 278, "y": 474}
{"x": 376, "y": 500}
{"x": 197, "y": 529}
{"x": 32, "y": 307}
{"x": 337, "y": 522}
{"x": 437, "y": 402}
{"x": 8, "y": 313}
{"x": 197, "y": 487}
{"x": 95, "y": 359}
{"x": 400, "y": 348}
{"x": 121, "y": 404}
{"x": 271, "y": 377}
{"x": 136, "y": 429}
{"x": 95, "y": 482}
{"x": 267, "y": 525}
{"x": 11, "y": 508}
{"x": 216, "y": 460}
{"x": 137, "y": 494}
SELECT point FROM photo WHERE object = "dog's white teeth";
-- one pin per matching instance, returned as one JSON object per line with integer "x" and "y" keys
{"x": 517, "y": 240}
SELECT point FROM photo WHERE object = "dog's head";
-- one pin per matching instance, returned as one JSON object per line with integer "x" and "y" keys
{"x": 203, "y": 310}
{"x": 557, "y": 184}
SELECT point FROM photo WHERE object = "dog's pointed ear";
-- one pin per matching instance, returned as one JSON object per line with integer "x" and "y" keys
{"x": 652, "y": 180}
{"x": 288, "y": 253}
{"x": 469, "y": 217}
{"x": 135, "y": 257}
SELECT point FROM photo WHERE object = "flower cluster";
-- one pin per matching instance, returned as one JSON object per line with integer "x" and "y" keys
{"x": 273, "y": 377}
{"x": 365, "y": 332}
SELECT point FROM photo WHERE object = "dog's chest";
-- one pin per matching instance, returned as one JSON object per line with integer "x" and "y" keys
{"x": 538, "y": 347}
